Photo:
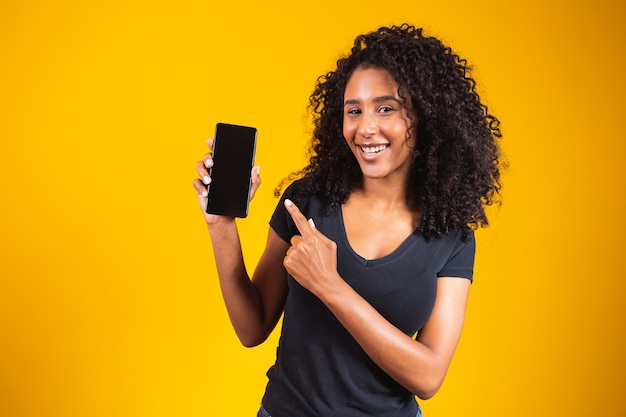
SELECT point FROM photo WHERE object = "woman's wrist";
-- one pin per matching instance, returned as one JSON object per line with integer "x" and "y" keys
{"x": 221, "y": 225}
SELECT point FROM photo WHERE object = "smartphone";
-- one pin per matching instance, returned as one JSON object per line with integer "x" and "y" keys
{"x": 234, "y": 147}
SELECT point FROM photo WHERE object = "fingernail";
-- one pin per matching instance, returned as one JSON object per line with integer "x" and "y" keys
{"x": 206, "y": 179}
{"x": 312, "y": 223}
{"x": 208, "y": 163}
{"x": 204, "y": 194}
{"x": 288, "y": 202}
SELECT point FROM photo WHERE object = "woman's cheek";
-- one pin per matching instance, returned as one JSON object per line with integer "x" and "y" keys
{"x": 349, "y": 131}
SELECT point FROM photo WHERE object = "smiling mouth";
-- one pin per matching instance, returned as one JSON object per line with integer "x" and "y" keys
{"x": 370, "y": 149}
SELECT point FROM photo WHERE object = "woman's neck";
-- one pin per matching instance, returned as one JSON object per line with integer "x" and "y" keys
{"x": 384, "y": 193}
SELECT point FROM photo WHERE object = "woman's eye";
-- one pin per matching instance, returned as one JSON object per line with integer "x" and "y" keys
{"x": 354, "y": 111}
{"x": 385, "y": 109}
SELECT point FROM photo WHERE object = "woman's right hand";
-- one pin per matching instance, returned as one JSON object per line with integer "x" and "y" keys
{"x": 201, "y": 183}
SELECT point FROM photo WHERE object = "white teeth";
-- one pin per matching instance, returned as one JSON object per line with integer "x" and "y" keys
{"x": 373, "y": 149}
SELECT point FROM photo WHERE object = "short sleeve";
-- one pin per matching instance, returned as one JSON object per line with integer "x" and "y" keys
{"x": 281, "y": 222}
{"x": 460, "y": 263}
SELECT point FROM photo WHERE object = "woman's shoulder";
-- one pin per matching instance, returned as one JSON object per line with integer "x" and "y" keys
{"x": 301, "y": 192}
{"x": 292, "y": 187}
{"x": 311, "y": 205}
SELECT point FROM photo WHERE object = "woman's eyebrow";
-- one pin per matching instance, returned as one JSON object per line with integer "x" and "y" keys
{"x": 376, "y": 100}
{"x": 386, "y": 98}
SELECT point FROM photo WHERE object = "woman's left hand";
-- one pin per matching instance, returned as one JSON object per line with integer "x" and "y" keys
{"x": 312, "y": 257}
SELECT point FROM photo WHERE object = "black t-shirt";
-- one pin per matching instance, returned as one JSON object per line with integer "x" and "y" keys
{"x": 320, "y": 369}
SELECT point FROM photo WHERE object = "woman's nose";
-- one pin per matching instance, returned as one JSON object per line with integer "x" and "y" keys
{"x": 368, "y": 126}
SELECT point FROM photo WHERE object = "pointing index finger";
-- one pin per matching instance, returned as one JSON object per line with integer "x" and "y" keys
{"x": 304, "y": 226}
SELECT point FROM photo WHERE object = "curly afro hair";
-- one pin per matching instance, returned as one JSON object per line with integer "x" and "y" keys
{"x": 456, "y": 169}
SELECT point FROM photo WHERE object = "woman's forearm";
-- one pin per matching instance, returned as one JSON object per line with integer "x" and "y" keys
{"x": 420, "y": 366}
{"x": 240, "y": 296}
{"x": 254, "y": 306}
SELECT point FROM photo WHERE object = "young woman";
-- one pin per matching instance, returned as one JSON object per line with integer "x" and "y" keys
{"x": 370, "y": 251}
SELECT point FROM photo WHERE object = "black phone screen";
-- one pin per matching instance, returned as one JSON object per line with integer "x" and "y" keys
{"x": 233, "y": 157}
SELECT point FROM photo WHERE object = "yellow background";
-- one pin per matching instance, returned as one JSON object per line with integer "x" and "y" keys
{"x": 109, "y": 303}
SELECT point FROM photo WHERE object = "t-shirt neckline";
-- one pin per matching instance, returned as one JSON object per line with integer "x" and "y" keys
{"x": 397, "y": 252}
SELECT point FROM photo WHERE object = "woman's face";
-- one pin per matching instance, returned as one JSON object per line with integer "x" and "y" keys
{"x": 375, "y": 125}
